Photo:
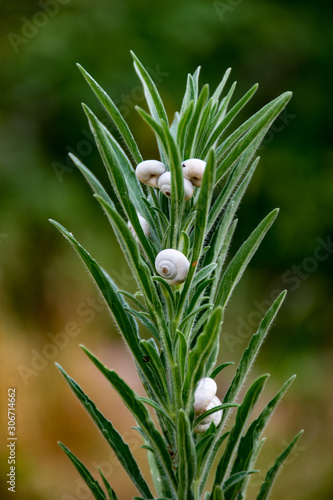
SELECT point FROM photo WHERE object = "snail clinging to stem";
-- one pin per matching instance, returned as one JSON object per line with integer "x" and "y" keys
{"x": 164, "y": 183}
{"x": 149, "y": 171}
{"x": 172, "y": 265}
{"x": 205, "y": 399}
{"x": 193, "y": 170}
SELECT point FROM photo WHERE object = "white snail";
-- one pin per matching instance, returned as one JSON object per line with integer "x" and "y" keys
{"x": 203, "y": 395}
{"x": 193, "y": 170}
{"x": 214, "y": 417}
{"x": 149, "y": 171}
{"x": 143, "y": 224}
{"x": 172, "y": 265}
{"x": 164, "y": 183}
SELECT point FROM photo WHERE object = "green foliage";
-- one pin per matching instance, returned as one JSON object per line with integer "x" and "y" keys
{"x": 183, "y": 320}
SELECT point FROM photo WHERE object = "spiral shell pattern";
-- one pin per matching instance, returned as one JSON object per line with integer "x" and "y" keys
{"x": 172, "y": 265}
{"x": 164, "y": 184}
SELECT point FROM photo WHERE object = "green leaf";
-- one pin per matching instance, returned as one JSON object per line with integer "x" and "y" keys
{"x": 221, "y": 85}
{"x": 203, "y": 206}
{"x": 240, "y": 261}
{"x": 189, "y": 94}
{"x": 91, "y": 179}
{"x": 219, "y": 368}
{"x": 187, "y": 459}
{"x": 157, "y": 129}
{"x": 203, "y": 445}
{"x": 230, "y": 187}
{"x": 110, "y": 293}
{"x": 202, "y": 209}
{"x": 242, "y": 416}
{"x": 114, "y": 114}
{"x": 141, "y": 414}
{"x": 114, "y": 439}
{"x": 183, "y": 126}
{"x": 142, "y": 317}
{"x": 153, "y": 98}
{"x": 177, "y": 201}
{"x": 111, "y": 494}
{"x": 140, "y": 271}
{"x": 92, "y": 484}
{"x": 196, "y": 299}
{"x": 214, "y": 410}
{"x": 273, "y": 471}
{"x": 200, "y": 353}
{"x": 202, "y": 274}
{"x": 191, "y": 134}
{"x": 217, "y": 494}
{"x": 258, "y": 129}
{"x": 249, "y": 442}
{"x": 235, "y": 479}
{"x": 158, "y": 409}
{"x": 231, "y": 115}
{"x": 209, "y": 457}
{"x": 252, "y": 350}
{"x": 123, "y": 180}
{"x": 182, "y": 353}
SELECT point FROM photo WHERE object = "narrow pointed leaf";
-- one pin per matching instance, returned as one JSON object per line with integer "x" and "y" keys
{"x": 114, "y": 439}
{"x": 92, "y": 484}
{"x": 242, "y": 416}
{"x": 114, "y": 114}
{"x": 186, "y": 457}
{"x": 252, "y": 350}
{"x": 273, "y": 471}
{"x": 239, "y": 263}
{"x": 235, "y": 479}
{"x": 111, "y": 494}
{"x": 141, "y": 414}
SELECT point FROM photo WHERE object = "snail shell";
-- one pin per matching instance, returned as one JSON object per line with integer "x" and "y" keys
{"x": 143, "y": 223}
{"x": 149, "y": 171}
{"x": 172, "y": 265}
{"x": 164, "y": 183}
{"x": 193, "y": 170}
{"x": 214, "y": 417}
{"x": 204, "y": 394}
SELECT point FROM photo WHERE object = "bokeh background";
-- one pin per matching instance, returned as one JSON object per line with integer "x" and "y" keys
{"x": 48, "y": 303}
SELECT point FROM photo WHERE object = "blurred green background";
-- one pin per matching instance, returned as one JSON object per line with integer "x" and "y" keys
{"x": 48, "y": 303}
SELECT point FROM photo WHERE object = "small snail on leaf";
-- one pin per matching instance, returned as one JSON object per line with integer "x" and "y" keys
{"x": 204, "y": 393}
{"x": 164, "y": 183}
{"x": 143, "y": 223}
{"x": 149, "y": 171}
{"x": 172, "y": 265}
{"x": 193, "y": 170}
{"x": 205, "y": 399}
{"x": 214, "y": 417}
